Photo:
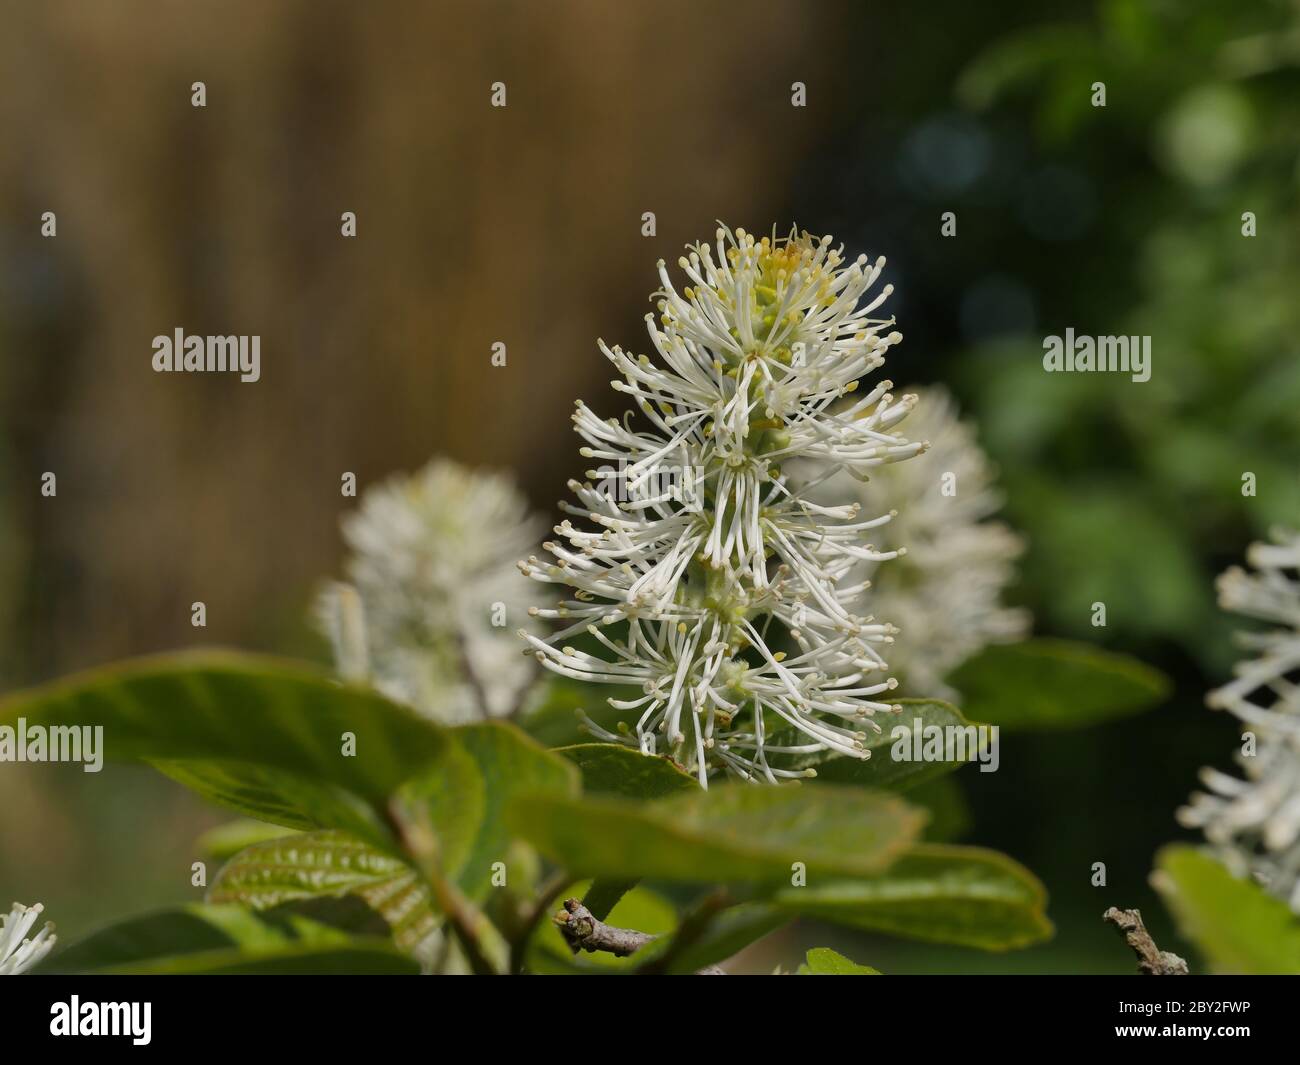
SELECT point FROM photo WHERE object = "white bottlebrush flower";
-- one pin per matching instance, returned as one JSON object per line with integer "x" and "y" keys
{"x": 18, "y": 953}
{"x": 945, "y": 592}
{"x": 1254, "y": 823}
{"x": 697, "y": 574}
{"x": 433, "y": 598}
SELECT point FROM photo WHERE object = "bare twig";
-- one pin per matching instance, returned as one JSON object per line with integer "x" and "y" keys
{"x": 582, "y": 930}
{"x": 1152, "y": 961}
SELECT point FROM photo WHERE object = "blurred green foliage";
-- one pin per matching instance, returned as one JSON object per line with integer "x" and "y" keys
{"x": 1132, "y": 494}
{"x": 1116, "y": 220}
{"x": 1236, "y": 926}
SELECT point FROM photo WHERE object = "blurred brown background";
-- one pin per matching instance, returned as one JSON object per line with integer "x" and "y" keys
{"x": 475, "y": 224}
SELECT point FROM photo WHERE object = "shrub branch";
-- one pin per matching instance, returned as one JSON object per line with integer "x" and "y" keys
{"x": 583, "y": 930}
{"x": 1152, "y": 961}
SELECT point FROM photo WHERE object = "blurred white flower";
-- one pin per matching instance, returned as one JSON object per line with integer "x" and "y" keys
{"x": 433, "y": 596}
{"x": 1254, "y": 823}
{"x": 17, "y": 953}
{"x": 698, "y": 561}
{"x": 944, "y": 591}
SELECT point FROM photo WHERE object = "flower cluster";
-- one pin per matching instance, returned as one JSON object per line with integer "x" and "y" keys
{"x": 696, "y": 573}
{"x": 18, "y": 954}
{"x": 433, "y": 595}
{"x": 945, "y": 593}
{"x": 1254, "y": 823}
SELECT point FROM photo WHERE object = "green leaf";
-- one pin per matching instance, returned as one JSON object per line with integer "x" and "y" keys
{"x": 604, "y": 893}
{"x": 346, "y": 959}
{"x": 225, "y": 841}
{"x": 1237, "y": 926}
{"x": 452, "y": 801}
{"x": 552, "y": 718}
{"x": 226, "y": 939}
{"x": 275, "y": 796}
{"x": 612, "y": 769}
{"x": 726, "y": 935}
{"x": 1055, "y": 684}
{"x": 822, "y": 961}
{"x": 893, "y": 763}
{"x": 328, "y": 864}
{"x": 225, "y": 707}
{"x": 944, "y": 894}
{"x": 736, "y": 833}
{"x": 511, "y": 766}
